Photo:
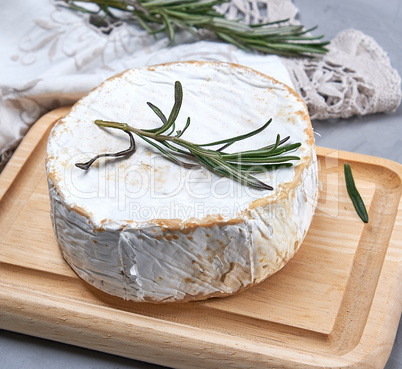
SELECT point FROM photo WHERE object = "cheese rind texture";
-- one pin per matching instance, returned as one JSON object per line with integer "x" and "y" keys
{"x": 145, "y": 229}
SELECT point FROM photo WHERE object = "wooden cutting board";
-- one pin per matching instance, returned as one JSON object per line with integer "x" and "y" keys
{"x": 336, "y": 304}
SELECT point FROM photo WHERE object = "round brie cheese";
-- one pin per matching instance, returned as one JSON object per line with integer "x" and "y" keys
{"x": 143, "y": 228}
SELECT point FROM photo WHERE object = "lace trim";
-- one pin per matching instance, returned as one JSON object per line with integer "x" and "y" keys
{"x": 354, "y": 78}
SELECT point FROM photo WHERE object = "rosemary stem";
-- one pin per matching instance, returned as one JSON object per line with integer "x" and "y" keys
{"x": 140, "y": 132}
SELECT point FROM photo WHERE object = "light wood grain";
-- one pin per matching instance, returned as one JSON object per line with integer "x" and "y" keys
{"x": 336, "y": 304}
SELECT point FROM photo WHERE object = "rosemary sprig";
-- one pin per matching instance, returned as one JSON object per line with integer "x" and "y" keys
{"x": 167, "y": 16}
{"x": 237, "y": 165}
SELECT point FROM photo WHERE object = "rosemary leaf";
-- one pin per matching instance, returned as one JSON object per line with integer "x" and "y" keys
{"x": 180, "y": 133}
{"x": 168, "y": 25}
{"x": 231, "y": 40}
{"x": 240, "y": 137}
{"x": 354, "y": 194}
{"x": 263, "y": 160}
{"x": 270, "y": 23}
{"x": 261, "y": 168}
{"x": 159, "y": 113}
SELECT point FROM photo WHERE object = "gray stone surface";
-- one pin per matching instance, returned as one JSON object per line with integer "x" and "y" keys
{"x": 378, "y": 135}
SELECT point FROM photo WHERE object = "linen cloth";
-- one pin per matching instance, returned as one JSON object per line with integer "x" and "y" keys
{"x": 51, "y": 56}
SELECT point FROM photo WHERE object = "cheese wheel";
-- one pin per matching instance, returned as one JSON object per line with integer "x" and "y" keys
{"x": 142, "y": 227}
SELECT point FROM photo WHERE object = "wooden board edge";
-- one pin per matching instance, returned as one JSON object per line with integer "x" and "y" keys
{"x": 363, "y": 158}
{"x": 143, "y": 338}
{"x": 27, "y": 145}
{"x": 374, "y": 354}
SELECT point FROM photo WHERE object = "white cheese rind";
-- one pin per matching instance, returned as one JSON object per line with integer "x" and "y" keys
{"x": 181, "y": 258}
